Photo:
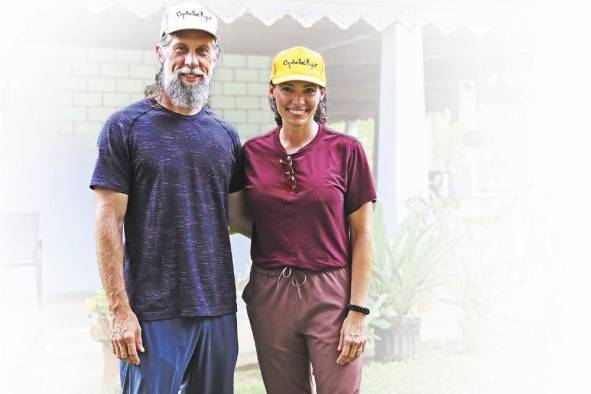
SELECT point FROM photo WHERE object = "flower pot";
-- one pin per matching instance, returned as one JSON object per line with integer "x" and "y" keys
{"x": 101, "y": 332}
{"x": 399, "y": 342}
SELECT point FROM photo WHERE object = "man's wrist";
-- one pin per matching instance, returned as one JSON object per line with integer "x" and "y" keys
{"x": 120, "y": 307}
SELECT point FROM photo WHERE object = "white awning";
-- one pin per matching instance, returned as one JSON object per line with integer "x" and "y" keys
{"x": 445, "y": 14}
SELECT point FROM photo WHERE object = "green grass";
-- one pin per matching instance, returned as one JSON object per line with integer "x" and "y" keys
{"x": 248, "y": 382}
{"x": 438, "y": 371}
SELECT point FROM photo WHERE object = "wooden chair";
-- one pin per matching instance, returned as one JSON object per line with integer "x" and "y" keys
{"x": 20, "y": 245}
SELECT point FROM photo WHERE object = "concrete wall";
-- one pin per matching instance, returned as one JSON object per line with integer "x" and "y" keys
{"x": 94, "y": 82}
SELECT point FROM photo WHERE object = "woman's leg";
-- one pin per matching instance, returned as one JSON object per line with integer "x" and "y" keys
{"x": 273, "y": 308}
{"x": 329, "y": 294}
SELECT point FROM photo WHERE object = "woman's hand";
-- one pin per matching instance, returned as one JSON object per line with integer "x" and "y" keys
{"x": 353, "y": 339}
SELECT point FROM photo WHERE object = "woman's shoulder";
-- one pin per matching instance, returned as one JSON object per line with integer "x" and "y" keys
{"x": 262, "y": 140}
{"x": 340, "y": 138}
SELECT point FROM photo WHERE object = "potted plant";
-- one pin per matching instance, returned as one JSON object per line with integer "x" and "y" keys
{"x": 482, "y": 273}
{"x": 96, "y": 307}
{"x": 404, "y": 274}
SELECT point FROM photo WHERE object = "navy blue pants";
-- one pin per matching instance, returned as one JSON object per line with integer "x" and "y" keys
{"x": 188, "y": 355}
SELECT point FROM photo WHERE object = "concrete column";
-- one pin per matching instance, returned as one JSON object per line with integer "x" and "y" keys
{"x": 402, "y": 140}
{"x": 351, "y": 128}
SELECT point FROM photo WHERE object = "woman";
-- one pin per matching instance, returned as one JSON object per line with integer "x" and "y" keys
{"x": 309, "y": 191}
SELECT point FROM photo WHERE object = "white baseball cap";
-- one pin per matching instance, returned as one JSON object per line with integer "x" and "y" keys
{"x": 188, "y": 15}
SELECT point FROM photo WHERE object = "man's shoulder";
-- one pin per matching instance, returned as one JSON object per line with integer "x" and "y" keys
{"x": 222, "y": 124}
{"x": 126, "y": 116}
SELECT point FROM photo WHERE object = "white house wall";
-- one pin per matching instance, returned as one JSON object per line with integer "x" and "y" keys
{"x": 49, "y": 124}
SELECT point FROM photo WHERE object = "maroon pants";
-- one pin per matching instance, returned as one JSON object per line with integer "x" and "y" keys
{"x": 296, "y": 317}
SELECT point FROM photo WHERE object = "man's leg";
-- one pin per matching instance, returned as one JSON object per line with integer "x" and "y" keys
{"x": 211, "y": 370}
{"x": 169, "y": 345}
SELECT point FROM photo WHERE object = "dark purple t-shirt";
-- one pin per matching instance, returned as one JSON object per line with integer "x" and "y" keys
{"x": 308, "y": 228}
{"x": 177, "y": 171}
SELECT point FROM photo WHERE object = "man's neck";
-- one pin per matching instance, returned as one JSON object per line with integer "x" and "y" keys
{"x": 168, "y": 104}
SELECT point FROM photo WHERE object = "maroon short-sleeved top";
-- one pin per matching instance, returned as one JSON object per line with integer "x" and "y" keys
{"x": 306, "y": 229}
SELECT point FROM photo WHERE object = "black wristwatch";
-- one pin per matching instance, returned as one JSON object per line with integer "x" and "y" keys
{"x": 357, "y": 308}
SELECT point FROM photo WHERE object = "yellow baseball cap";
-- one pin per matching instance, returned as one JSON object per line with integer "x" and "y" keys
{"x": 298, "y": 64}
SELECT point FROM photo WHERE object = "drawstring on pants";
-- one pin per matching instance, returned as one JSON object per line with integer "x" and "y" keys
{"x": 286, "y": 273}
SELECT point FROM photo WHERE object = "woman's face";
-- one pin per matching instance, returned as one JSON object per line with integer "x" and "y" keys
{"x": 296, "y": 101}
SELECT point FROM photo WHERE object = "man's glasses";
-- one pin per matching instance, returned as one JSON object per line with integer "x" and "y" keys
{"x": 290, "y": 179}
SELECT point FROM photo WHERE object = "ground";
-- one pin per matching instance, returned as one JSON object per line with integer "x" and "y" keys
{"x": 49, "y": 350}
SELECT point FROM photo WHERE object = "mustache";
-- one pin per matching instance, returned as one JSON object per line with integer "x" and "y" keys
{"x": 186, "y": 70}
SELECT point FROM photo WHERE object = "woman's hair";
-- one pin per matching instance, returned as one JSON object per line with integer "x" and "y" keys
{"x": 320, "y": 116}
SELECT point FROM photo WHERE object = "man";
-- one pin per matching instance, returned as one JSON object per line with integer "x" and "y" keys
{"x": 164, "y": 171}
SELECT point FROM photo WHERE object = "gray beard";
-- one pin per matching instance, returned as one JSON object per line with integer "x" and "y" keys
{"x": 183, "y": 95}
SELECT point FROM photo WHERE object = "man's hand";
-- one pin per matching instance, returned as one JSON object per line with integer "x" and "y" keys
{"x": 126, "y": 337}
{"x": 353, "y": 339}
{"x": 239, "y": 216}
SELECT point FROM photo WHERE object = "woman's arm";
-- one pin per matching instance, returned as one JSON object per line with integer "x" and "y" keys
{"x": 353, "y": 336}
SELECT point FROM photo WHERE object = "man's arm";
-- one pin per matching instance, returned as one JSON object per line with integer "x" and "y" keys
{"x": 239, "y": 218}
{"x": 110, "y": 208}
{"x": 353, "y": 337}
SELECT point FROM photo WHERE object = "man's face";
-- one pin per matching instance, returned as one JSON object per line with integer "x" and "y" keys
{"x": 189, "y": 60}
